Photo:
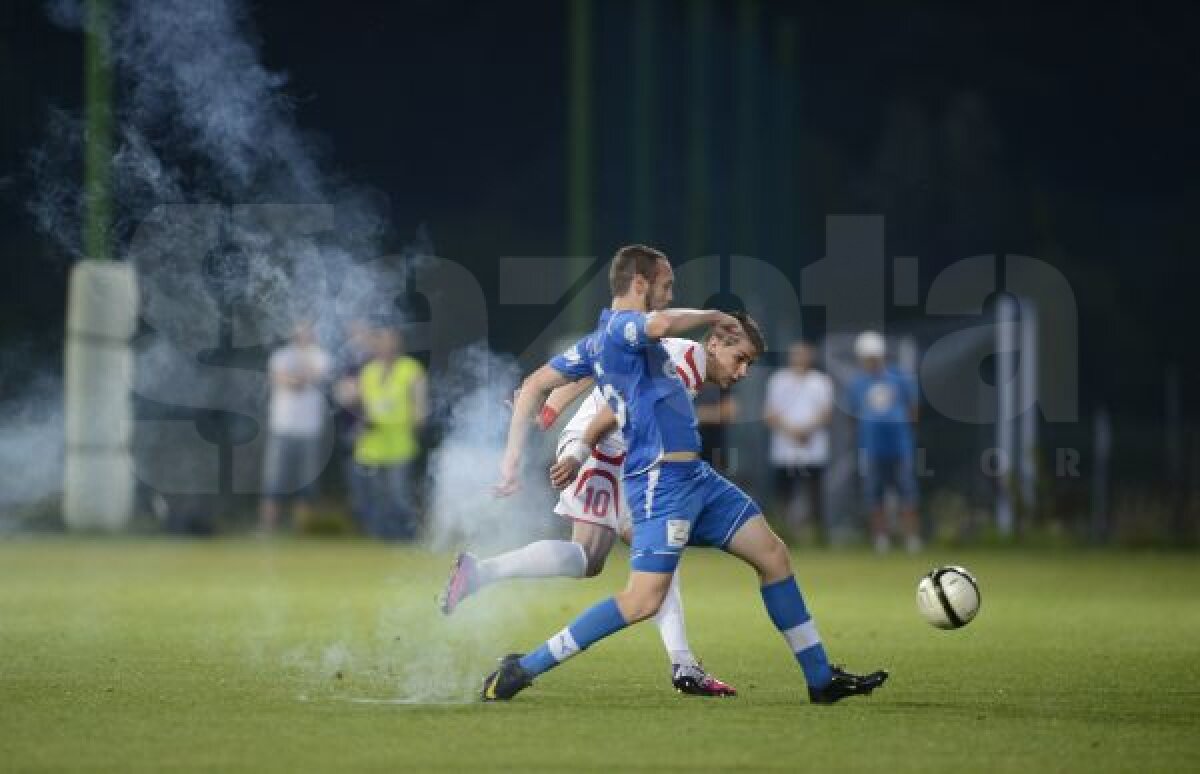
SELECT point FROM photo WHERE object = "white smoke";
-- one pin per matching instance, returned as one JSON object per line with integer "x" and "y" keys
{"x": 205, "y": 146}
{"x": 235, "y": 220}
{"x": 31, "y": 446}
{"x": 465, "y": 467}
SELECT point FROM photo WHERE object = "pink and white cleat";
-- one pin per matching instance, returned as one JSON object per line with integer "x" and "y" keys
{"x": 693, "y": 680}
{"x": 461, "y": 583}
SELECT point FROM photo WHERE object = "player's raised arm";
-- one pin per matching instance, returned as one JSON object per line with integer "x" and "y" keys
{"x": 560, "y": 398}
{"x": 675, "y": 322}
{"x": 570, "y": 366}
{"x": 532, "y": 394}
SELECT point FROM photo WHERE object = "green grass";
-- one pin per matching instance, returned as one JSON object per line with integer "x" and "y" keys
{"x": 301, "y": 655}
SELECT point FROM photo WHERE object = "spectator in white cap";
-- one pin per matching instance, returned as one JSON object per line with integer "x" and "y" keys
{"x": 798, "y": 409}
{"x": 883, "y": 401}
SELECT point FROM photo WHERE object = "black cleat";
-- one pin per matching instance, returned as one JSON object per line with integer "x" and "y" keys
{"x": 507, "y": 681}
{"x": 845, "y": 684}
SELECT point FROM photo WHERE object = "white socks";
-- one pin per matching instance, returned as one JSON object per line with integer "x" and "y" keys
{"x": 541, "y": 559}
{"x": 565, "y": 559}
{"x": 670, "y": 626}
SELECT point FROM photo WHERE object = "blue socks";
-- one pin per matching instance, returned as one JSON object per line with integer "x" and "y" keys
{"x": 784, "y": 604}
{"x": 786, "y": 607}
{"x": 596, "y": 623}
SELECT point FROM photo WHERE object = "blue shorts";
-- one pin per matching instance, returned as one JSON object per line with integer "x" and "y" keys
{"x": 678, "y": 504}
{"x": 881, "y": 473}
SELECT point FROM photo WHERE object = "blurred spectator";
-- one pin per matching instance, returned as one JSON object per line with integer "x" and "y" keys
{"x": 392, "y": 394}
{"x": 884, "y": 402}
{"x": 798, "y": 409}
{"x": 356, "y": 352}
{"x": 294, "y": 453}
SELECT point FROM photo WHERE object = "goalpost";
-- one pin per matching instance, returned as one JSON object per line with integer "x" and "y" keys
{"x": 102, "y": 313}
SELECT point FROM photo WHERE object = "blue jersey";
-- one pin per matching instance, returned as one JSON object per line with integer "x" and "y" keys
{"x": 882, "y": 403}
{"x": 641, "y": 385}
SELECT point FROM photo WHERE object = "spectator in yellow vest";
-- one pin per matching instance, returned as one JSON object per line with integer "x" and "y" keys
{"x": 392, "y": 393}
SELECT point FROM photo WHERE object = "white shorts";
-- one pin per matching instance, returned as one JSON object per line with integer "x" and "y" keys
{"x": 596, "y": 495}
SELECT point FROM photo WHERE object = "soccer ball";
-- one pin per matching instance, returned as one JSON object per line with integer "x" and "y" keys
{"x": 948, "y": 597}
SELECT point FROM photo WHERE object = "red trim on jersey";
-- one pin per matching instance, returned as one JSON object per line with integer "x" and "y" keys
{"x": 690, "y": 357}
{"x": 618, "y": 460}
{"x": 603, "y": 474}
{"x": 683, "y": 375}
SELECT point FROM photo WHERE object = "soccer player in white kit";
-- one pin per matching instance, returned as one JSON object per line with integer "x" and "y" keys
{"x": 588, "y": 473}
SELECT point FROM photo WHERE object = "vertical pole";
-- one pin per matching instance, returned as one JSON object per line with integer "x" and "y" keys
{"x": 785, "y": 211}
{"x": 643, "y": 120}
{"x": 1006, "y": 315}
{"x": 1101, "y": 450}
{"x": 97, "y": 169}
{"x": 699, "y": 24}
{"x": 1029, "y": 395}
{"x": 1173, "y": 413}
{"x": 746, "y": 175}
{"x": 579, "y": 149}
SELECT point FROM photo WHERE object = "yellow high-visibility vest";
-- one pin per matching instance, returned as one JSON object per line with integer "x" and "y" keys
{"x": 390, "y": 435}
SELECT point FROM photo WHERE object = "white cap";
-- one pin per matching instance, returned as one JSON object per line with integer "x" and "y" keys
{"x": 870, "y": 344}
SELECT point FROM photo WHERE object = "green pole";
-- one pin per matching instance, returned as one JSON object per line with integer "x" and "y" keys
{"x": 699, "y": 24}
{"x": 579, "y": 151}
{"x": 747, "y": 168}
{"x": 643, "y": 121}
{"x": 786, "y": 210}
{"x": 98, "y": 118}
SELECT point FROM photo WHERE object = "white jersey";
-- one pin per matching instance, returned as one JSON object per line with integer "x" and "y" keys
{"x": 690, "y": 362}
{"x": 596, "y": 496}
{"x": 299, "y": 411}
{"x": 799, "y": 400}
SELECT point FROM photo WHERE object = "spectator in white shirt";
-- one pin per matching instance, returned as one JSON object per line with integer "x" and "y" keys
{"x": 798, "y": 410}
{"x": 297, "y": 412}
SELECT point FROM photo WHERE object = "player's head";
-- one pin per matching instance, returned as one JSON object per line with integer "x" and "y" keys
{"x": 388, "y": 342}
{"x": 800, "y": 355}
{"x": 870, "y": 348}
{"x": 642, "y": 274}
{"x": 730, "y": 357}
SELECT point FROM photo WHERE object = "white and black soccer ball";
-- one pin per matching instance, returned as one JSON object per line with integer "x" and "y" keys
{"x": 948, "y": 597}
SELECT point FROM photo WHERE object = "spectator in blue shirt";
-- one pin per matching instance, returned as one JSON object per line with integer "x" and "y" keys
{"x": 883, "y": 401}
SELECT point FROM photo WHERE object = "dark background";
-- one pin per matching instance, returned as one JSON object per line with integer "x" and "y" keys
{"x": 1064, "y": 133}
{"x": 1078, "y": 123}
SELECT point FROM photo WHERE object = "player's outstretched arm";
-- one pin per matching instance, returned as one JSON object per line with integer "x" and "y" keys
{"x": 560, "y": 398}
{"x": 530, "y": 397}
{"x": 675, "y": 322}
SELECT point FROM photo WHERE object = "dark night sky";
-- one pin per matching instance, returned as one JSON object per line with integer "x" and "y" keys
{"x": 456, "y": 111}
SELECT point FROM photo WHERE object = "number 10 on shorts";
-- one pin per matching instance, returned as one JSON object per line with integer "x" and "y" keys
{"x": 597, "y": 502}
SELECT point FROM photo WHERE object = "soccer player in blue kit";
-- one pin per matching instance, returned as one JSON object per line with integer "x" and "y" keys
{"x": 675, "y": 498}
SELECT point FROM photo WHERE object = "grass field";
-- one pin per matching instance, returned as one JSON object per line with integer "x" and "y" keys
{"x": 330, "y": 656}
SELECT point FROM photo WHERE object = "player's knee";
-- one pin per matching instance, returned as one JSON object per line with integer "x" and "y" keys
{"x": 641, "y": 604}
{"x": 595, "y": 563}
{"x": 643, "y": 609}
{"x": 775, "y": 562}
